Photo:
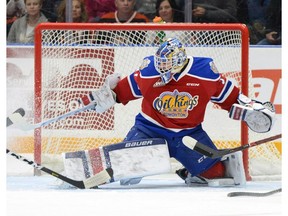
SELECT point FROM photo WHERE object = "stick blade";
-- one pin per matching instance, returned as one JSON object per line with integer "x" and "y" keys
{"x": 98, "y": 179}
{"x": 254, "y": 194}
{"x": 189, "y": 142}
{"x": 15, "y": 117}
{"x": 198, "y": 147}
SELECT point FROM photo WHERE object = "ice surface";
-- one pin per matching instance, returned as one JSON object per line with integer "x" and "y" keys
{"x": 162, "y": 195}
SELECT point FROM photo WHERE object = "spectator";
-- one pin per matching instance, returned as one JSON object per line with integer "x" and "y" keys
{"x": 180, "y": 4}
{"x": 14, "y": 10}
{"x": 242, "y": 11}
{"x": 79, "y": 13}
{"x": 214, "y": 11}
{"x": 146, "y": 7}
{"x": 125, "y": 13}
{"x": 257, "y": 20}
{"x": 97, "y": 8}
{"x": 49, "y": 9}
{"x": 169, "y": 11}
{"x": 273, "y": 26}
{"x": 257, "y": 10}
{"x": 22, "y": 30}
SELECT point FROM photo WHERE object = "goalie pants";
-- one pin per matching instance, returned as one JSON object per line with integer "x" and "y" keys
{"x": 194, "y": 162}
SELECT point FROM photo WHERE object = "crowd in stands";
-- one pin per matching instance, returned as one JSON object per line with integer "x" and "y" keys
{"x": 263, "y": 17}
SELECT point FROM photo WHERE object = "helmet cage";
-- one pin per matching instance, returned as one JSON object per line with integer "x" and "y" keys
{"x": 170, "y": 57}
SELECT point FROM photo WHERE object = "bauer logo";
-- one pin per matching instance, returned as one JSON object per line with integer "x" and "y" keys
{"x": 139, "y": 143}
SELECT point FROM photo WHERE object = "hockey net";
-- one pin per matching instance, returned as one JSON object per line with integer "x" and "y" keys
{"x": 73, "y": 59}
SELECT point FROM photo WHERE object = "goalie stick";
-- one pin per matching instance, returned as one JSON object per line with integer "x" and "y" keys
{"x": 214, "y": 153}
{"x": 92, "y": 182}
{"x": 254, "y": 194}
{"x": 17, "y": 118}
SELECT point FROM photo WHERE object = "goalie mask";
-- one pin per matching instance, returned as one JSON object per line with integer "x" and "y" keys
{"x": 170, "y": 58}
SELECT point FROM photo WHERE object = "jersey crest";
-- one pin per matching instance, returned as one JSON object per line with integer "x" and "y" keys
{"x": 213, "y": 67}
{"x": 145, "y": 63}
{"x": 175, "y": 104}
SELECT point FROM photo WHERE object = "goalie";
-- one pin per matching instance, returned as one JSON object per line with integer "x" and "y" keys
{"x": 176, "y": 89}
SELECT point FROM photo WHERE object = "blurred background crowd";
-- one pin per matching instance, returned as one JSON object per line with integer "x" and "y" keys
{"x": 263, "y": 17}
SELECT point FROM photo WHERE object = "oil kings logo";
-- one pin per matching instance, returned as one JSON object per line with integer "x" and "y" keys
{"x": 175, "y": 104}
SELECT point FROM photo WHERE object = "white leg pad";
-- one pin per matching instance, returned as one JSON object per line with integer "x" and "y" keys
{"x": 129, "y": 160}
{"x": 235, "y": 168}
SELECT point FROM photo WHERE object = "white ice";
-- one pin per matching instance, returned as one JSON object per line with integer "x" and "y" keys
{"x": 165, "y": 195}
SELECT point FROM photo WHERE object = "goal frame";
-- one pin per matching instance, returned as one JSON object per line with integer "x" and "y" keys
{"x": 137, "y": 27}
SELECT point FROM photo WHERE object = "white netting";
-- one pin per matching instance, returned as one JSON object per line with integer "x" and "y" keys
{"x": 75, "y": 62}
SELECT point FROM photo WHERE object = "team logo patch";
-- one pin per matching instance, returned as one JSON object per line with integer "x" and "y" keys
{"x": 175, "y": 104}
{"x": 144, "y": 64}
{"x": 213, "y": 67}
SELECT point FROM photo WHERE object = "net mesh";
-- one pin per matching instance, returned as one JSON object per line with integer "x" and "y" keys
{"x": 76, "y": 61}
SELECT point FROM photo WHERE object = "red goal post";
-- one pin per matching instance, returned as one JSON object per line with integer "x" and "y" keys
{"x": 72, "y": 59}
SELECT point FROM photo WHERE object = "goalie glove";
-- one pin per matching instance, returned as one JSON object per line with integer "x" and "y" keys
{"x": 103, "y": 98}
{"x": 258, "y": 116}
{"x": 112, "y": 80}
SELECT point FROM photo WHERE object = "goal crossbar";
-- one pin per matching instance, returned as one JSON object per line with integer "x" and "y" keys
{"x": 173, "y": 27}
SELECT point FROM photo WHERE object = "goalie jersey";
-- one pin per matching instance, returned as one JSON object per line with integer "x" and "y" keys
{"x": 181, "y": 103}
